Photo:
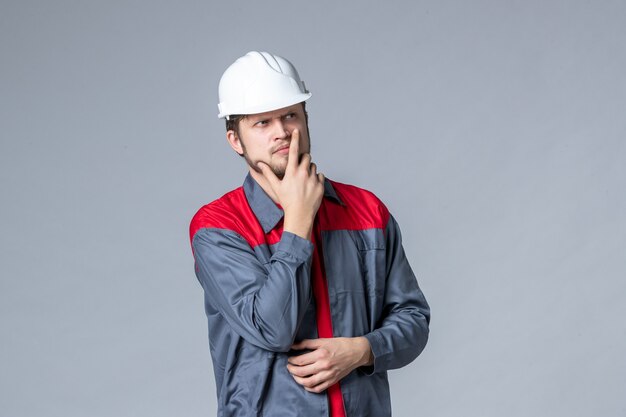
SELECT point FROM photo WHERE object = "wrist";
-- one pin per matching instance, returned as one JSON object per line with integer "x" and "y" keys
{"x": 367, "y": 357}
{"x": 298, "y": 225}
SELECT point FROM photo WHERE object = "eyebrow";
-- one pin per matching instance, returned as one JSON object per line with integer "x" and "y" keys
{"x": 260, "y": 118}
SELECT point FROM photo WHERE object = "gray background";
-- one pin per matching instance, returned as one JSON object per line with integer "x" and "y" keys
{"x": 493, "y": 130}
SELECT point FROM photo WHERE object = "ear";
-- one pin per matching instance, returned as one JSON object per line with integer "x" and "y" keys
{"x": 234, "y": 141}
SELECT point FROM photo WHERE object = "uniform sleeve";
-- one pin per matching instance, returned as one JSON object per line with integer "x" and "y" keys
{"x": 264, "y": 304}
{"x": 403, "y": 331}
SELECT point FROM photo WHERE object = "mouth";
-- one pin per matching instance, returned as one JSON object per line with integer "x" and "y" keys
{"x": 283, "y": 150}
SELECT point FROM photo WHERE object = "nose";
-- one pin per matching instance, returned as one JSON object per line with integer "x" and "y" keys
{"x": 280, "y": 130}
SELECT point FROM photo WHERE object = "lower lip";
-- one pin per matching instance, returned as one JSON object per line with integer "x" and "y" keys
{"x": 283, "y": 151}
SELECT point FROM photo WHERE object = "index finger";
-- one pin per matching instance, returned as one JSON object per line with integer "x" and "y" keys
{"x": 306, "y": 344}
{"x": 294, "y": 149}
{"x": 304, "y": 359}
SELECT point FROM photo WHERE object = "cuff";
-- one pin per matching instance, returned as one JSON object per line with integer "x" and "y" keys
{"x": 296, "y": 246}
{"x": 376, "y": 345}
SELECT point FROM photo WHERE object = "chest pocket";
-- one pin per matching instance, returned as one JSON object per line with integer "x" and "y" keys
{"x": 354, "y": 260}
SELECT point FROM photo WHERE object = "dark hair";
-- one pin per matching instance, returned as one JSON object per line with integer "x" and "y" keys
{"x": 232, "y": 123}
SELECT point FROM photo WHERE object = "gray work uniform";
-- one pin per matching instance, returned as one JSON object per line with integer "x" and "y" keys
{"x": 258, "y": 298}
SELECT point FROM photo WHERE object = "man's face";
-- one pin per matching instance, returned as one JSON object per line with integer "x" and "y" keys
{"x": 265, "y": 137}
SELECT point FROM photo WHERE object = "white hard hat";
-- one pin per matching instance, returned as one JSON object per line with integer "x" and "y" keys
{"x": 259, "y": 82}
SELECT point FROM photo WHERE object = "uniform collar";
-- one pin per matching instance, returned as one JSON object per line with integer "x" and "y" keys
{"x": 266, "y": 211}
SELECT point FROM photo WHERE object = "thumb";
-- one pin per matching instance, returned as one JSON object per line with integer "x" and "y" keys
{"x": 267, "y": 172}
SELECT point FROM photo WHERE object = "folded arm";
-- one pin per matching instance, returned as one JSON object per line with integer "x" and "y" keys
{"x": 262, "y": 303}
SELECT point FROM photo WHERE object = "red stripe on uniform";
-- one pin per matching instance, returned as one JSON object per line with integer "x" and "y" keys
{"x": 324, "y": 320}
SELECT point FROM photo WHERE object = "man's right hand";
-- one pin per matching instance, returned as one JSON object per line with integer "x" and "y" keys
{"x": 301, "y": 190}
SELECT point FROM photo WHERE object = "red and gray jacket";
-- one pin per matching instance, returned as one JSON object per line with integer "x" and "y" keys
{"x": 258, "y": 290}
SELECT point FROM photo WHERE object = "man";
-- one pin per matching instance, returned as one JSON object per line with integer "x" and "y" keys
{"x": 308, "y": 294}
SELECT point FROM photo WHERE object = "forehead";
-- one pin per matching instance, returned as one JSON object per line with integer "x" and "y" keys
{"x": 276, "y": 113}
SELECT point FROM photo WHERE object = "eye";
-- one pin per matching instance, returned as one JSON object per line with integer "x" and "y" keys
{"x": 290, "y": 116}
{"x": 261, "y": 123}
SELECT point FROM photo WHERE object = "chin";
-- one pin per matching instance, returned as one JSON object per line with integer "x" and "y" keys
{"x": 279, "y": 169}
{"x": 280, "y": 173}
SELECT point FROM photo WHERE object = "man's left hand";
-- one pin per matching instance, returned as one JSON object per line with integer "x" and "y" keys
{"x": 329, "y": 361}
